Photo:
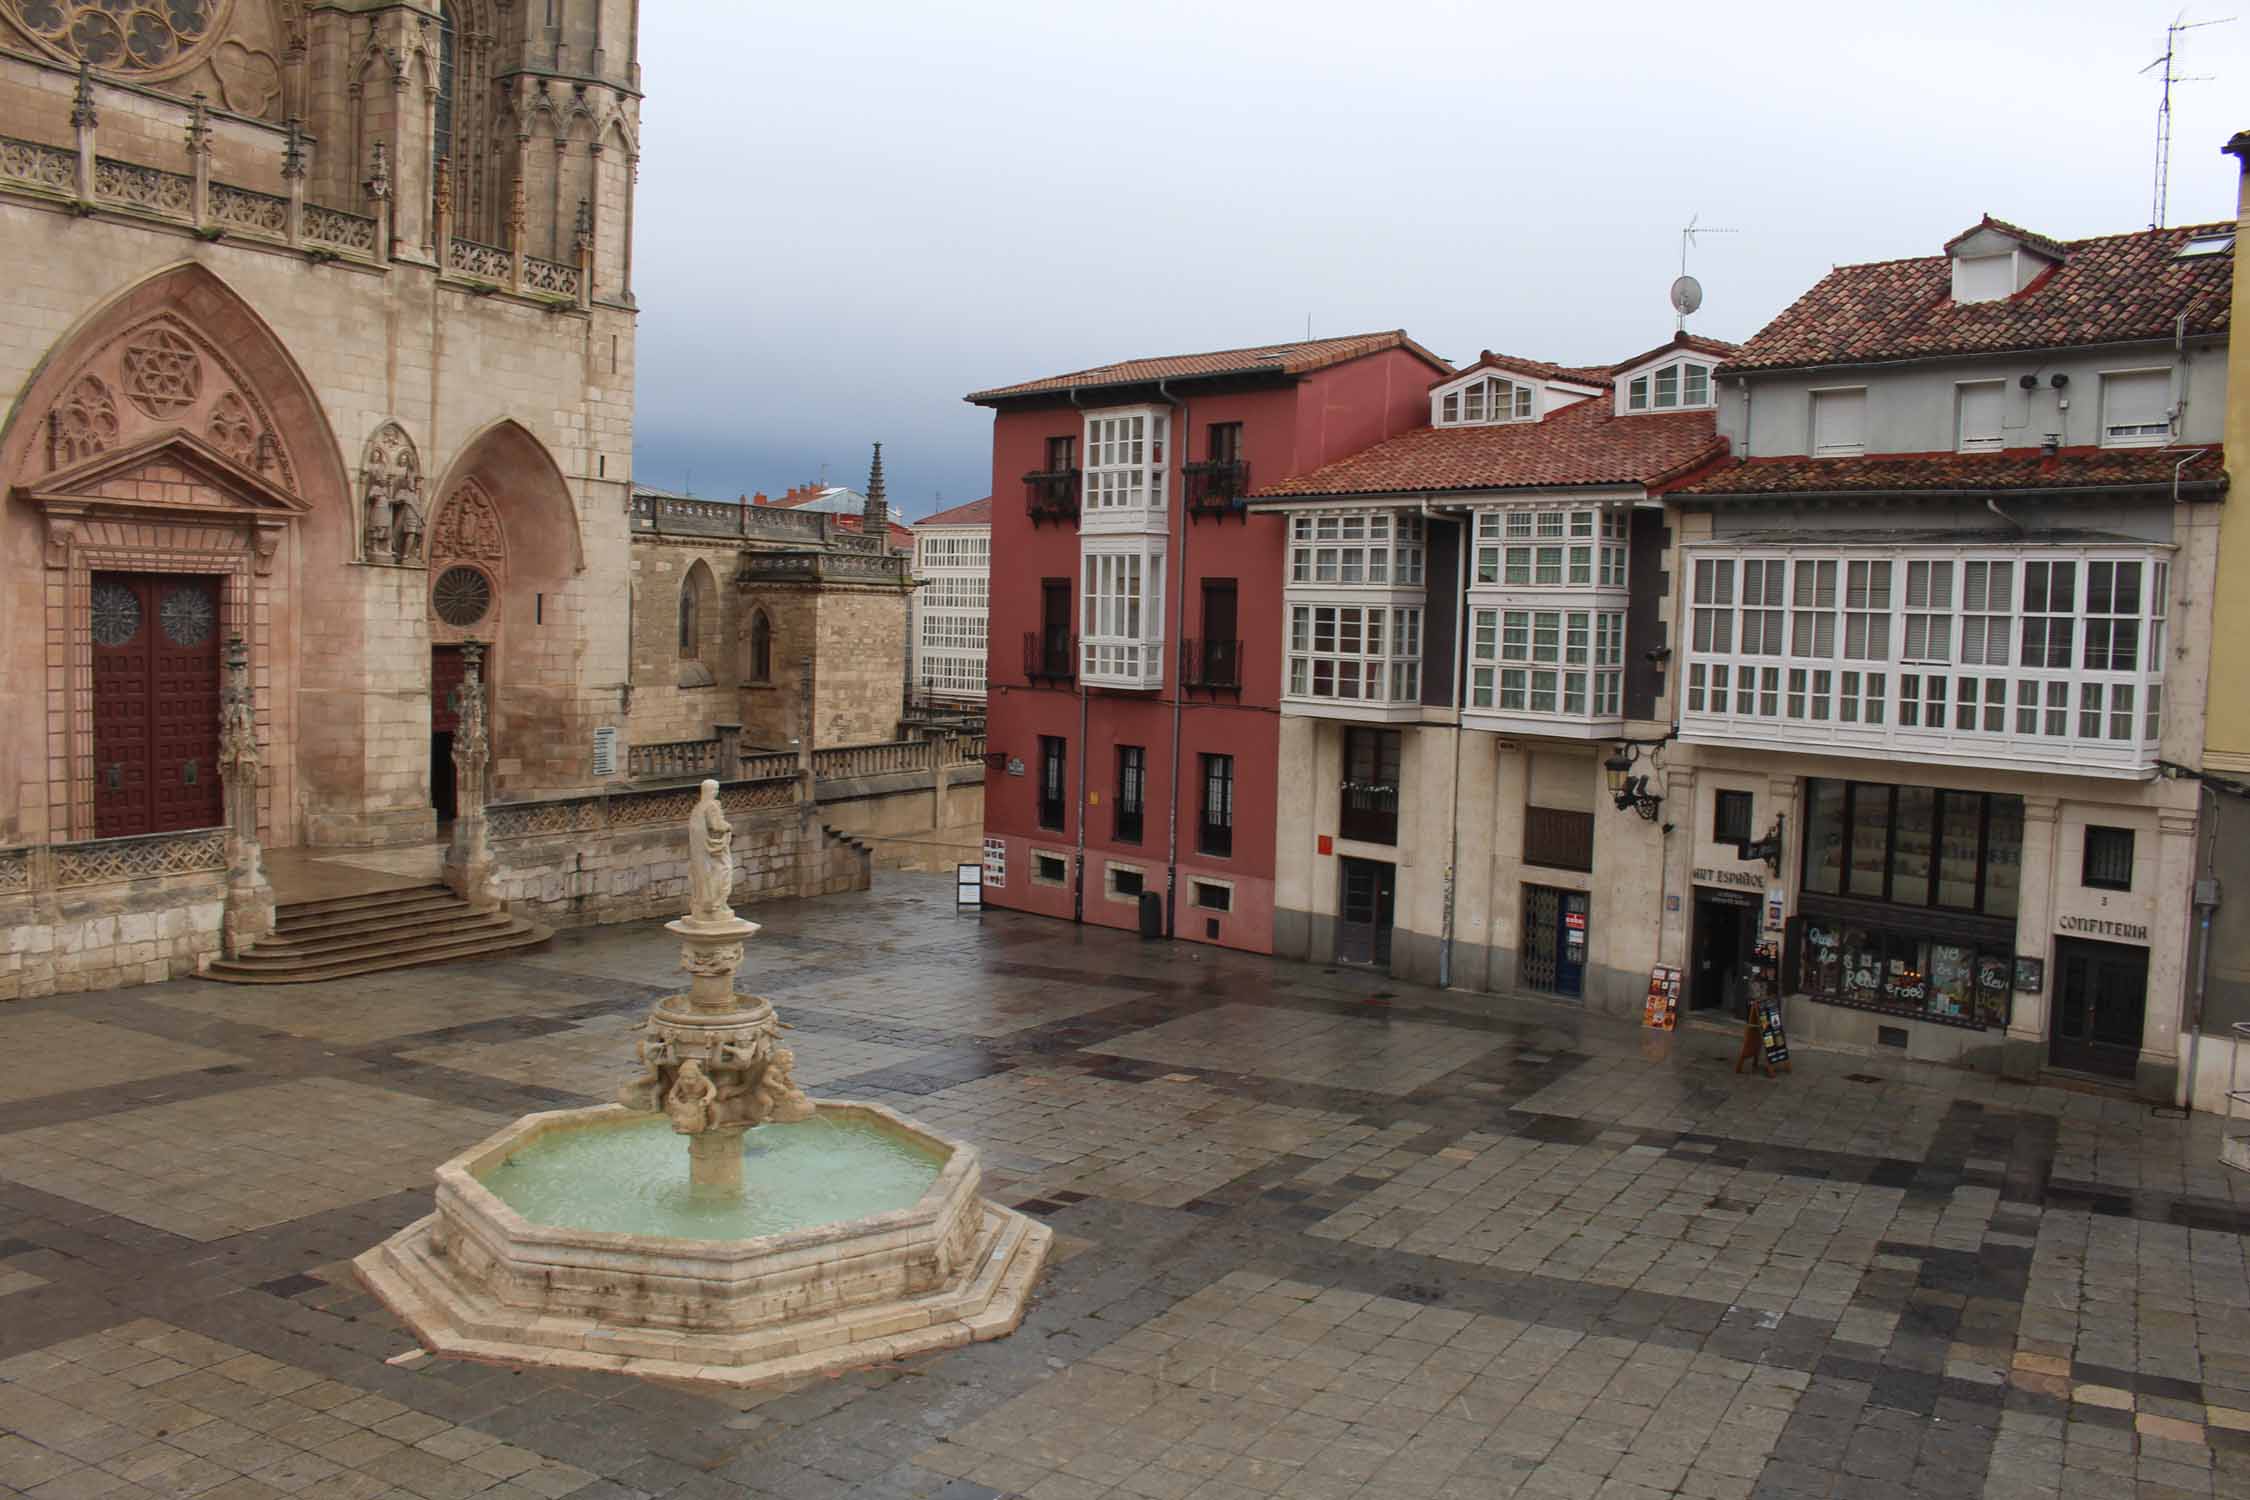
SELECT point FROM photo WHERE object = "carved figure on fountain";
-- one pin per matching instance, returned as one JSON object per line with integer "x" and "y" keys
{"x": 710, "y": 861}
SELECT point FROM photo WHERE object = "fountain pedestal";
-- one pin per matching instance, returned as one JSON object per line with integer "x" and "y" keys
{"x": 478, "y": 1279}
{"x": 711, "y": 1060}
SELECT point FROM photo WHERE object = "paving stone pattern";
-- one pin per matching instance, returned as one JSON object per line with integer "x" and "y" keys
{"x": 1319, "y": 1234}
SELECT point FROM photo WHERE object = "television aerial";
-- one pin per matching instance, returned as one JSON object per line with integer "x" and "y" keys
{"x": 1687, "y": 292}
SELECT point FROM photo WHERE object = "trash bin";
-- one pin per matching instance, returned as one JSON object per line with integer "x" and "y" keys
{"x": 1152, "y": 915}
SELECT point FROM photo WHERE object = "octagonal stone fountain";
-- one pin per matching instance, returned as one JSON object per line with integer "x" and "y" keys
{"x": 791, "y": 1237}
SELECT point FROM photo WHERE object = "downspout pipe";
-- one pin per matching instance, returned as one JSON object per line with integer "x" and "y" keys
{"x": 1453, "y": 819}
{"x": 1177, "y": 504}
{"x": 1078, "y": 675}
{"x": 2206, "y": 900}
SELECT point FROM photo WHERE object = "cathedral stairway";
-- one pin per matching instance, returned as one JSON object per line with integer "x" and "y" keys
{"x": 342, "y": 936}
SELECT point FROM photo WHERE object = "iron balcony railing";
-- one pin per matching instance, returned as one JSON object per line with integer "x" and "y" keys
{"x": 1050, "y": 656}
{"x": 1370, "y": 812}
{"x": 1051, "y": 495}
{"x": 1216, "y": 486}
{"x": 1215, "y": 666}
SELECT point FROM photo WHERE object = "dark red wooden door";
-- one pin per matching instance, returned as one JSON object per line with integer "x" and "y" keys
{"x": 156, "y": 703}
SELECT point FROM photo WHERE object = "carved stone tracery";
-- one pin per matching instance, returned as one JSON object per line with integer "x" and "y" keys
{"x": 233, "y": 431}
{"x": 82, "y": 424}
{"x": 163, "y": 376}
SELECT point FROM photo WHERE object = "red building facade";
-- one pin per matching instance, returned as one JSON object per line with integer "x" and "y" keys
{"x": 1134, "y": 664}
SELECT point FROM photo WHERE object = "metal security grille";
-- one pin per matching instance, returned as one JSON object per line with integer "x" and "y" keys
{"x": 1542, "y": 921}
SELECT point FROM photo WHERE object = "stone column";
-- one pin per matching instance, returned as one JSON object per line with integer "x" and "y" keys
{"x": 83, "y": 118}
{"x": 378, "y": 187}
{"x": 2165, "y": 1008}
{"x": 519, "y": 218}
{"x": 583, "y": 242}
{"x": 199, "y": 162}
{"x": 441, "y": 215}
{"x": 730, "y": 751}
{"x": 942, "y": 753}
{"x": 293, "y": 173}
{"x": 808, "y": 787}
{"x": 1679, "y": 866}
{"x": 249, "y": 913}
{"x": 2024, "y": 1052}
{"x": 468, "y": 861}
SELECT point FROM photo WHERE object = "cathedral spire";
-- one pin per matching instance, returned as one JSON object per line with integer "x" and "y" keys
{"x": 876, "y": 519}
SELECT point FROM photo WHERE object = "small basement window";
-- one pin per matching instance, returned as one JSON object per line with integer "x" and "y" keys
{"x": 2108, "y": 862}
{"x": 1050, "y": 869}
{"x": 1125, "y": 882}
{"x": 1212, "y": 896}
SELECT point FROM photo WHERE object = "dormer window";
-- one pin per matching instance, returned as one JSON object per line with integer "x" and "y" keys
{"x": 1983, "y": 278}
{"x": 1673, "y": 387}
{"x": 1488, "y": 400}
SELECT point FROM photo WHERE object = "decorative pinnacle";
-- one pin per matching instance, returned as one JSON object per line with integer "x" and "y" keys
{"x": 293, "y": 150}
{"x": 82, "y": 102}
{"x": 584, "y": 235}
{"x": 379, "y": 175}
{"x": 199, "y": 128}
{"x": 876, "y": 519}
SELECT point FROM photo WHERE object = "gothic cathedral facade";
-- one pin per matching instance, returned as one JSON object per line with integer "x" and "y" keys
{"x": 318, "y": 373}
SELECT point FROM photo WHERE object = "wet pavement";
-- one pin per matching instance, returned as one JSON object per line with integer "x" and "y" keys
{"x": 1319, "y": 1234}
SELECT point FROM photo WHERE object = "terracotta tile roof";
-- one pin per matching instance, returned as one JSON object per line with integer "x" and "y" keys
{"x": 2031, "y": 237}
{"x": 1694, "y": 343}
{"x": 2016, "y": 469}
{"x": 975, "y": 513}
{"x": 1585, "y": 443}
{"x": 1264, "y": 359}
{"x": 1537, "y": 369}
{"x": 2114, "y": 289}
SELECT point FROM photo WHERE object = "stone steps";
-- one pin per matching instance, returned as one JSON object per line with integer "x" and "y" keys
{"x": 349, "y": 935}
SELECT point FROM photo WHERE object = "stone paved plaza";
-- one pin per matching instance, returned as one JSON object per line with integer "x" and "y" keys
{"x": 1319, "y": 1234}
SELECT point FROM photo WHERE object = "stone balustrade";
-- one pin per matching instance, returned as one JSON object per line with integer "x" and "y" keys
{"x": 673, "y": 759}
{"x": 100, "y": 914}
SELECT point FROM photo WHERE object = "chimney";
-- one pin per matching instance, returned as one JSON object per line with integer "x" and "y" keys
{"x": 876, "y": 519}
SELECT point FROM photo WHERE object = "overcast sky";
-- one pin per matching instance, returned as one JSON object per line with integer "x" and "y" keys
{"x": 851, "y": 214}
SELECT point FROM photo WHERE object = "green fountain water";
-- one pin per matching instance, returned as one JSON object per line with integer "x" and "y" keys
{"x": 631, "y": 1177}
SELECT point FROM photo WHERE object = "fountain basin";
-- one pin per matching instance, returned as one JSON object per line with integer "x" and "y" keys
{"x": 479, "y": 1278}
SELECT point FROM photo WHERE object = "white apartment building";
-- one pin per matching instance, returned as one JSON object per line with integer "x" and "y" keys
{"x": 953, "y": 566}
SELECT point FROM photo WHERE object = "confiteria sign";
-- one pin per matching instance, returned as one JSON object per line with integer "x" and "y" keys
{"x": 2131, "y": 932}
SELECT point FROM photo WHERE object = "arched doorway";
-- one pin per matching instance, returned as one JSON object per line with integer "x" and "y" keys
{"x": 168, "y": 470}
{"x": 504, "y": 558}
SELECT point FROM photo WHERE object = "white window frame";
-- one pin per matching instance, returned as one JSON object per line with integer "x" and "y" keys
{"x": 2010, "y": 278}
{"x": 1485, "y": 395}
{"x": 1124, "y": 460}
{"x": 1964, "y": 441}
{"x": 1356, "y": 548}
{"x": 1121, "y": 618}
{"x": 1551, "y": 545}
{"x": 1813, "y": 443}
{"x": 1950, "y": 655}
{"x": 1361, "y": 653}
{"x": 1647, "y": 389}
{"x": 2143, "y": 434}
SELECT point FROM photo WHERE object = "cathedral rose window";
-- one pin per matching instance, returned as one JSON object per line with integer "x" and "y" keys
{"x": 124, "y": 36}
{"x": 461, "y": 597}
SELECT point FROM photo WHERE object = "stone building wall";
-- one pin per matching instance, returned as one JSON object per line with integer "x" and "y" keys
{"x": 109, "y": 914}
{"x": 533, "y": 399}
{"x": 675, "y": 697}
{"x": 859, "y": 665}
{"x": 628, "y": 875}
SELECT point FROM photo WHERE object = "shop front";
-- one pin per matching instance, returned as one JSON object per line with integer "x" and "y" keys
{"x": 1908, "y": 901}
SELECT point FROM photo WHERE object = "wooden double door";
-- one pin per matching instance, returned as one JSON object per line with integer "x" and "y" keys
{"x": 156, "y": 703}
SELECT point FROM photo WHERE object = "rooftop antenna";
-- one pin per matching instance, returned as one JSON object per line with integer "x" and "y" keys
{"x": 2159, "y": 204}
{"x": 1687, "y": 292}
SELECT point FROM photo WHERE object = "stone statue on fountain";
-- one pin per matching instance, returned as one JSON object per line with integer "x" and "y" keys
{"x": 711, "y": 1059}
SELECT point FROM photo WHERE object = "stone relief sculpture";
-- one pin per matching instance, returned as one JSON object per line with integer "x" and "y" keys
{"x": 82, "y": 424}
{"x": 391, "y": 491}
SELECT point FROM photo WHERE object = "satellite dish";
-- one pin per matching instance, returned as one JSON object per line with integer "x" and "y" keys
{"x": 1687, "y": 295}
